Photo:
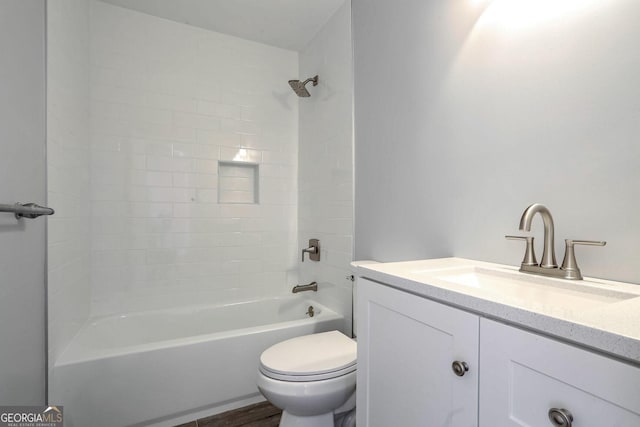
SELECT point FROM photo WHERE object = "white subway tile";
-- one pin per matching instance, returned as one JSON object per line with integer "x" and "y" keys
{"x": 150, "y": 130}
{"x": 240, "y": 126}
{"x": 196, "y": 121}
{"x": 195, "y": 210}
{"x": 215, "y": 225}
{"x": 111, "y": 93}
{"x": 145, "y": 114}
{"x": 138, "y": 161}
{"x": 151, "y": 178}
{"x": 184, "y": 150}
{"x": 188, "y": 255}
{"x": 205, "y": 166}
{"x": 149, "y": 210}
{"x": 102, "y": 142}
{"x": 108, "y": 192}
{"x": 216, "y": 138}
{"x": 170, "y": 102}
{"x": 284, "y": 158}
{"x": 207, "y": 196}
{"x": 195, "y": 180}
{"x": 182, "y": 134}
{"x": 159, "y": 163}
{"x": 183, "y": 165}
{"x": 103, "y": 242}
{"x": 219, "y": 110}
{"x": 232, "y": 253}
{"x": 240, "y": 154}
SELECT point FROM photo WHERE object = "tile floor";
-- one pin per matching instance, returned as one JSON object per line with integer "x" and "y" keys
{"x": 261, "y": 414}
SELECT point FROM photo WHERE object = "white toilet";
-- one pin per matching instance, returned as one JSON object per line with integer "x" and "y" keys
{"x": 312, "y": 378}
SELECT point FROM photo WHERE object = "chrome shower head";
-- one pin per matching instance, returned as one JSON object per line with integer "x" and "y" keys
{"x": 299, "y": 87}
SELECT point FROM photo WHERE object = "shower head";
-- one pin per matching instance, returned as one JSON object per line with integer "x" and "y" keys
{"x": 299, "y": 87}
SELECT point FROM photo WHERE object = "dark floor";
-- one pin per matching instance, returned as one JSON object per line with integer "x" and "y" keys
{"x": 261, "y": 414}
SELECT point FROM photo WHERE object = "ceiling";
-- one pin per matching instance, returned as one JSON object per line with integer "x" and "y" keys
{"x": 289, "y": 24}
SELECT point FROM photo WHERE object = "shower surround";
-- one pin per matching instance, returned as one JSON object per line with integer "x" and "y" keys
{"x": 168, "y": 102}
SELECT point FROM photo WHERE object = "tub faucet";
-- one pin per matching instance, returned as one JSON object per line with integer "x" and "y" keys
{"x": 313, "y": 286}
{"x": 549, "y": 251}
{"x": 313, "y": 250}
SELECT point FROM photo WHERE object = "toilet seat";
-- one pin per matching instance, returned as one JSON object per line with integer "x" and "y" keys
{"x": 310, "y": 358}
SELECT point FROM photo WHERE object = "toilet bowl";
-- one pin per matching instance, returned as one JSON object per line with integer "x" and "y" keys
{"x": 312, "y": 378}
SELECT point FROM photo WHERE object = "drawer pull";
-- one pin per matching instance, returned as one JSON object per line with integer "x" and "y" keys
{"x": 459, "y": 368}
{"x": 560, "y": 417}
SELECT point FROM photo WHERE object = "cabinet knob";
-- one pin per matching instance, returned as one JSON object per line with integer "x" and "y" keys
{"x": 560, "y": 417}
{"x": 459, "y": 368}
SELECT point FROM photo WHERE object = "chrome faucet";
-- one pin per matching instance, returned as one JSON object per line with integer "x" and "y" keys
{"x": 313, "y": 286}
{"x": 548, "y": 266}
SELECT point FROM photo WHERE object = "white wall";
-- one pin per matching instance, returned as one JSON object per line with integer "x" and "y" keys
{"x": 22, "y": 174}
{"x": 463, "y": 119}
{"x": 68, "y": 143}
{"x": 168, "y": 101}
{"x": 326, "y": 160}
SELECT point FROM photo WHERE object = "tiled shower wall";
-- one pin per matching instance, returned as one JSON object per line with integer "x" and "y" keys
{"x": 326, "y": 160}
{"x": 68, "y": 154}
{"x": 168, "y": 101}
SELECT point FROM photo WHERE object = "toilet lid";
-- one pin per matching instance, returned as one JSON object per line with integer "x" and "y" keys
{"x": 312, "y": 357}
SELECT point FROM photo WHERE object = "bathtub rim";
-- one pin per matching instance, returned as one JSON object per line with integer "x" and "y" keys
{"x": 70, "y": 354}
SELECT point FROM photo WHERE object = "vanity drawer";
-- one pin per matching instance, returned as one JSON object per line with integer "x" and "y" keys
{"x": 524, "y": 375}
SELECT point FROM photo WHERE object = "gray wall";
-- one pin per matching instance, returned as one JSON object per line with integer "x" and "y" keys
{"x": 467, "y": 112}
{"x": 22, "y": 174}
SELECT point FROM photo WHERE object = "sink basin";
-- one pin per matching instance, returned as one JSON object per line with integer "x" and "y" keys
{"x": 532, "y": 290}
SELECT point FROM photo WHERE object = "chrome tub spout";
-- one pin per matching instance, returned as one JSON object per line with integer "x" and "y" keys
{"x": 313, "y": 286}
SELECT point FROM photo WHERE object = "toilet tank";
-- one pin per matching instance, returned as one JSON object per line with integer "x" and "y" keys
{"x": 354, "y": 272}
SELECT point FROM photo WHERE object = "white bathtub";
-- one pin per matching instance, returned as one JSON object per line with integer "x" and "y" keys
{"x": 170, "y": 366}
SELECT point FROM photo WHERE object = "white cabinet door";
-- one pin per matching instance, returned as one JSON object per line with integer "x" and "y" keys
{"x": 524, "y": 375}
{"x": 406, "y": 347}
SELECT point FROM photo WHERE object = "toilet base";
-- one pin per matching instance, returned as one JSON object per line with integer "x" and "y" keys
{"x": 346, "y": 419}
{"x": 290, "y": 420}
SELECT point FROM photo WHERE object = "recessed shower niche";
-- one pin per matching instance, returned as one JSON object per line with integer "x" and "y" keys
{"x": 238, "y": 182}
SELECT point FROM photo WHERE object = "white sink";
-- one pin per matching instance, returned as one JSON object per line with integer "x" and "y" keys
{"x": 537, "y": 290}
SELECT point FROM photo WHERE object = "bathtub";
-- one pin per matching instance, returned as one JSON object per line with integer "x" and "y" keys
{"x": 165, "y": 367}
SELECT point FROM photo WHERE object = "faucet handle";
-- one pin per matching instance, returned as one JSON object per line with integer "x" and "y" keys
{"x": 313, "y": 250}
{"x": 529, "y": 254}
{"x": 569, "y": 263}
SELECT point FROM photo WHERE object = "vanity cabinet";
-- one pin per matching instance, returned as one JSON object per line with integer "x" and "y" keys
{"x": 407, "y": 345}
{"x": 406, "y": 348}
{"x": 525, "y": 376}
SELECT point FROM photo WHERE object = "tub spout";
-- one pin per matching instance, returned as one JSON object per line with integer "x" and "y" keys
{"x": 313, "y": 286}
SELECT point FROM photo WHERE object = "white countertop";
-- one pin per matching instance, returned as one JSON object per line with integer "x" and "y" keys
{"x": 612, "y": 327}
